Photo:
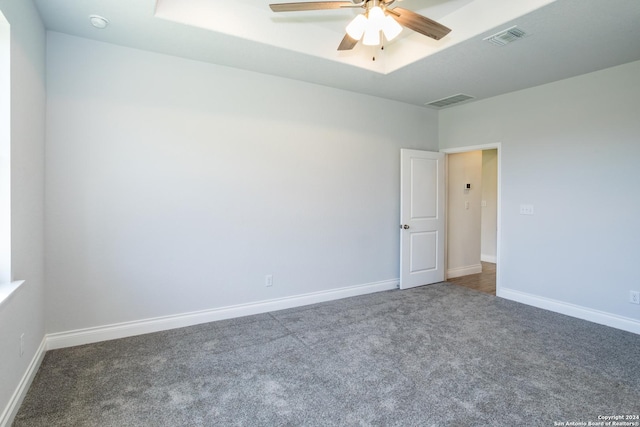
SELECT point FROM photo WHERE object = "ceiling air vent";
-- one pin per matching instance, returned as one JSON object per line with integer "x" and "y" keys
{"x": 506, "y": 36}
{"x": 445, "y": 102}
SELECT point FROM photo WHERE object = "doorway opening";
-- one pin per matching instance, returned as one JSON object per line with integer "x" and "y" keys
{"x": 472, "y": 254}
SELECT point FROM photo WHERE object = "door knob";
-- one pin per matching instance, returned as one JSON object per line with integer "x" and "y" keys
{"x": 406, "y": 227}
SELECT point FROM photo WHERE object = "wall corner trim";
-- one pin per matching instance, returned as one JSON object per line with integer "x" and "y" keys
{"x": 9, "y": 413}
{"x": 145, "y": 326}
{"x": 596, "y": 316}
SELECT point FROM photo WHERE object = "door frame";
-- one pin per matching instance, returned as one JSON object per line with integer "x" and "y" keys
{"x": 497, "y": 146}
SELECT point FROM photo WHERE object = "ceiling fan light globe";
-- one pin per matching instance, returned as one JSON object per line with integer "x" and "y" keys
{"x": 371, "y": 37}
{"x": 391, "y": 28}
{"x": 376, "y": 17}
{"x": 356, "y": 28}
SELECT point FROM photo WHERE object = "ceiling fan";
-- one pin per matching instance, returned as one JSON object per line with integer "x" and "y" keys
{"x": 377, "y": 18}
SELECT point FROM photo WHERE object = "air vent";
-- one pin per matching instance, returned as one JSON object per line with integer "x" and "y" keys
{"x": 445, "y": 102}
{"x": 507, "y": 36}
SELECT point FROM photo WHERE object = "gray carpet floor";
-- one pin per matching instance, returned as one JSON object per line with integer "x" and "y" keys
{"x": 438, "y": 355}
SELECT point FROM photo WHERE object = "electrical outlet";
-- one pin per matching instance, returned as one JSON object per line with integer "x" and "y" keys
{"x": 634, "y": 297}
{"x": 268, "y": 280}
{"x": 21, "y": 345}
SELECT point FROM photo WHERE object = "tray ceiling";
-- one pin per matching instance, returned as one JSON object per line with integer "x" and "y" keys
{"x": 564, "y": 38}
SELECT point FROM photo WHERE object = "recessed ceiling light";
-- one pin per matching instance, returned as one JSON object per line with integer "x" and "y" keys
{"x": 98, "y": 21}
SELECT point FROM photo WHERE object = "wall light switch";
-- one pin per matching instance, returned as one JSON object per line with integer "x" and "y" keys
{"x": 466, "y": 205}
{"x": 526, "y": 209}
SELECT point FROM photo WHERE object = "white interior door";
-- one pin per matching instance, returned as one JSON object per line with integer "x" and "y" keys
{"x": 422, "y": 216}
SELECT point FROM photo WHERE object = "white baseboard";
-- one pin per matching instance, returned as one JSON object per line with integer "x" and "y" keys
{"x": 488, "y": 258}
{"x": 584, "y": 313}
{"x": 464, "y": 271}
{"x": 139, "y": 327}
{"x": 9, "y": 413}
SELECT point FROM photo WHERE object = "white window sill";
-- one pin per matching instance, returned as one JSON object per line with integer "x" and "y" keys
{"x": 7, "y": 289}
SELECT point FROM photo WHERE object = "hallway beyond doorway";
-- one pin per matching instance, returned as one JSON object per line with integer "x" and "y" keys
{"x": 483, "y": 282}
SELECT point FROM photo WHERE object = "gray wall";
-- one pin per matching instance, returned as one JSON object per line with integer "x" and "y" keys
{"x": 23, "y": 311}
{"x": 176, "y": 186}
{"x": 571, "y": 149}
{"x": 5, "y": 154}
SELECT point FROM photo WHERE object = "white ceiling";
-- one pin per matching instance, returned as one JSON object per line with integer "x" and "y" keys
{"x": 318, "y": 33}
{"x": 565, "y": 38}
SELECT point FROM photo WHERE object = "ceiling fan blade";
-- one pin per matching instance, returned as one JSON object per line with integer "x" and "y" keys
{"x": 347, "y": 43}
{"x": 310, "y": 5}
{"x": 419, "y": 23}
